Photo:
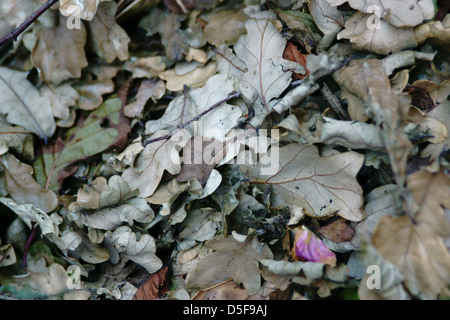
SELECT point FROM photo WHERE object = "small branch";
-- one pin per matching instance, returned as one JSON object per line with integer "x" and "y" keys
{"x": 20, "y": 29}
{"x": 334, "y": 102}
{"x": 168, "y": 136}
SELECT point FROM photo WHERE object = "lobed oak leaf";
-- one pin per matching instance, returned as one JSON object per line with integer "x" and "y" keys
{"x": 23, "y": 104}
{"x": 416, "y": 247}
{"x": 268, "y": 74}
{"x": 230, "y": 258}
{"x": 107, "y": 39}
{"x": 323, "y": 186}
{"x": 59, "y": 51}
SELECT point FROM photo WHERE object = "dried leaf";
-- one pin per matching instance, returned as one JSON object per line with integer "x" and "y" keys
{"x": 154, "y": 287}
{"x": 24, "y": 106}
{"x": 59, "y": 51}
{"x": 87, "y": 138}
{"x": 301, "y": 170}
{"x": 400, "y": 14}
{"x": 23, "y": 188}
{"x": 229, "y": 259}
{"x": 108, "y": 40}
{"x": 137, "y": 247}
{"x": 148, "y": 89}
{"x": 268, "y": 73}
{"x": 84, "y": 9}
{"x": 337, "y": 231}
{"x": 417, "y": 248}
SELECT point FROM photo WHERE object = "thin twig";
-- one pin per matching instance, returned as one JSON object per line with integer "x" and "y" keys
{"x": 168, "y": 136}
{"x": 20, "y": 29}
{"x": 334, "y": 102}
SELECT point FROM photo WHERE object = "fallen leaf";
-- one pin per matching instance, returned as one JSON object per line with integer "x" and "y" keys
{"x": 83, "y": 9}
{"x": 194, "y": 78}
{"x": 229, "y": 259}
{"x": 416, "y": 247}
{"x": 137, "y": 247}
{"x": 153, "y": 161}
{"x": 400, "y": 14}
{"x": 148, "y": 89}
{"x": 59, "y": 51}
{"x": 301, "y": 169}
{"x": 390, "y": 279}
{"x": 337, "y": 231}
{"x": 154, "y": 287}
{"x": 108, "y": 40}
{"x": 327, "y": 18}
{"x": 23, "y": 188}
{"x": 23, "y": 105}
{"x": 267, "y": 76}
{"x": 86, "y": 139}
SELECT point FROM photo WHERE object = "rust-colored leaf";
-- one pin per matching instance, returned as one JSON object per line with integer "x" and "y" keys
{"x": 292, "y": 53}
{"x": 154, "y": 287}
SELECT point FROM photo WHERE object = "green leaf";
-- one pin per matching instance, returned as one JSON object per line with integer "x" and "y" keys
{"x": 102, "y": 129}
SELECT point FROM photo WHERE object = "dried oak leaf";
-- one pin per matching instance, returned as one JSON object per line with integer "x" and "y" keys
{"x": 23, "y": 104}
{"x": 322, "y": 186}
{"x": 416, "y": 247}
{"x": 23, "y": 188}
{"x": 228, "y": 259}
{"x": 59, "y": 51}
{"x": 398, "y": 13}
{"x": 268, "y": 74}
{"x": 107, "y": 39}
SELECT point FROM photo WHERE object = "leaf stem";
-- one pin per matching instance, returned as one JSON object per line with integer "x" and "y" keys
{"x": 20, "y": 29}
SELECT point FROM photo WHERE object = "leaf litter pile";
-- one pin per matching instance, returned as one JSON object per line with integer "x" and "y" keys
{"x": 322, "y": 129}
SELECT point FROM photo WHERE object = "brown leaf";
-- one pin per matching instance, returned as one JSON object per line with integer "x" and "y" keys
{"x": 291, "y": 52}
{"x": 200, "y": 156}
{"x": 59, "y": 51}
{"x": 154, "y": 287}
{"x": 337, "y": 231}
{"x": 416, "y": 247}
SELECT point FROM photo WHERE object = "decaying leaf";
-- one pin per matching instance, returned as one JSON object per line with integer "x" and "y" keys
{"x": 108, "y": 39}
{"x": 416, "y": 247}
{"x": 88, "y": 138}
{"x": 23, "y": 105}
{"x": 153, "y": 287}
{"x": 230, "y": 259}
{"x": 268, "y": 73}
{"x": 323, "y": 186}
{"x": 23, "y": 188}
{"x": 137, "y": 247}
{"x": 56, "y": 67}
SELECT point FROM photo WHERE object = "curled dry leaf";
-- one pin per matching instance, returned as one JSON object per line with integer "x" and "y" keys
{"x": 137, "y": 247}
{"x": 23, "y": 188}
{"x": 84, "y": 9}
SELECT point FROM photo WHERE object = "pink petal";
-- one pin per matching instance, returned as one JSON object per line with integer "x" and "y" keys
{"x": 309, "y": 247}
